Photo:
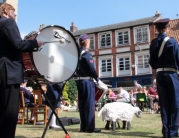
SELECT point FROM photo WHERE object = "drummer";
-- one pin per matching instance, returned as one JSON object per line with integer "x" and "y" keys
{"x": 11, "y": 69}
{"x": 86, "y": 87}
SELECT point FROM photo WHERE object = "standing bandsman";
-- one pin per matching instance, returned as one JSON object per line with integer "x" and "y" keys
{"x": 165, "y": 60}
{"x": 11, "y": 68}
{"x": 86, "y": 87}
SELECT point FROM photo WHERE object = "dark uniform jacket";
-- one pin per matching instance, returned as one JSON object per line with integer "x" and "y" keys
{"x": 87, "y": 66}
{"x": 11, "y": 46}
{"x": 169, "y": 57}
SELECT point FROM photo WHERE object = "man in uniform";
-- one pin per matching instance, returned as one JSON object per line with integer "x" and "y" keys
{"x": 166, "y": 64}
{"x": 11, "y": 68}
{"x": 86, "y": 87}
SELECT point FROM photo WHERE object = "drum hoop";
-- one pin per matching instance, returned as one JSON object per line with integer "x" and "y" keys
{"x": 76, "y": 44}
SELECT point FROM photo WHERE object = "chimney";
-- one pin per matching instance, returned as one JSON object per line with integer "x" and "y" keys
{"x": 157, "y": 13}
{"x": 73, "y": 28}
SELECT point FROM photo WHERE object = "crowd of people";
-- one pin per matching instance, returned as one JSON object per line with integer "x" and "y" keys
{"x": 164, "y": 58}
{"x": 130, "y": 96}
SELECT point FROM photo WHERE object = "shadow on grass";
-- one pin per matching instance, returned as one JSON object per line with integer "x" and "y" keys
{"x": 121, "y": 132}
{"x": 25, "y": 137}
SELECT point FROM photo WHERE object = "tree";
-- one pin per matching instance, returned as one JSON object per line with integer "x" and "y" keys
{"x": 65, "y": 91}
{"x": 70, "y": 89}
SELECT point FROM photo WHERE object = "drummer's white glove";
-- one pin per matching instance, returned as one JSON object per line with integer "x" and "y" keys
{"x": 96, "y": 81}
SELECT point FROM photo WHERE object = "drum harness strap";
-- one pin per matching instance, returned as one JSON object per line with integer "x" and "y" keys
{"x": 162, "y": 46}
{"x": 159, "y": 54}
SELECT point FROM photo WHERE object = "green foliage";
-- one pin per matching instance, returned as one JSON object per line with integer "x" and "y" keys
{"x": 65, "y": 91}
{"x": 70, "y": 89}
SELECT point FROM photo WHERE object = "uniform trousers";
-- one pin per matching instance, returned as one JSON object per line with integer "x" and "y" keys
{"x": 9, "y": 104}
{"x": 86, "y": 99}
{"x": 168, "y": 90}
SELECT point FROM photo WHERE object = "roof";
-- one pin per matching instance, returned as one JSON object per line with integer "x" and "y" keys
{"x": 121, "y": 25}
{"x": 174, "y": 29}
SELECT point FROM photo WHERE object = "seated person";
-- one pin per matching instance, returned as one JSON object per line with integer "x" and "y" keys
{"x": 152, "y": 96}
{"x": 111, "y": 96}
{"x": 28, "y": 94}
{"x": 123, "y": 95}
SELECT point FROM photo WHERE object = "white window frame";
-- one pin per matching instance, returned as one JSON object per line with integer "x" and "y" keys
{"x": 106, "y": 74}
{"x": 116, "y": 36}
{"x": 135, "y": 34}
{"x": 92, "y": 36}
{"x": 143, "y": 70}
{"x": 99, "y": 40}
{"x": 77, "y": 39}
{"x": 94, "y": 59}
{"x": 125, "y": 72}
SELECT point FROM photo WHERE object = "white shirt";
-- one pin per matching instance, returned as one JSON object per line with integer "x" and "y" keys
{"x": 124, "y": 94}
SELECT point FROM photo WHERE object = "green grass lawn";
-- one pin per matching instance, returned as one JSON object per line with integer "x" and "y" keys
{"x": 148, "y": 126}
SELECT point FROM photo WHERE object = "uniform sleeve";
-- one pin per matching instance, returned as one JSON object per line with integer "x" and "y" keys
{"x": 13, "y": 35}
{"x": 176, "y": 46}
{"x": 153, "y": 56}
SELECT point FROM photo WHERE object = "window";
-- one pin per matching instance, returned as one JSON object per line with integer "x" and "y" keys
{"x": 122, "y": 37}
{"x": 141, "y": 34}
{"x": 142, "y": 63}
{"x": 108, "y": 82}
{"x": 125, "y": 83}
{"x": 92, "y": 41}
{"x": 123, "y": 63}
{"x": 105, "y": 40}
{"x": 146, "y": 82}
{"x": 106, "y": 65}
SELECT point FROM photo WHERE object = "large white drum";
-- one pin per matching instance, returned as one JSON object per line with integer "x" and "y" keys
{"x": 57, "y": 60}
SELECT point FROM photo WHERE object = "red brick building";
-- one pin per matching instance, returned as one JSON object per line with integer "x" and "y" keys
{"x": 121, "y": 51}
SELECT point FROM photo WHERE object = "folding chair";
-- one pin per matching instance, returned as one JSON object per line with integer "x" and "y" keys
{"x": 39, "y": 108}
{"x": 23, "y": 110}
{"x": 141, "y": 100}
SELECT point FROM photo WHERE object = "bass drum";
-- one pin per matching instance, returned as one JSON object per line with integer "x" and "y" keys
{"x": 57, "y": 60}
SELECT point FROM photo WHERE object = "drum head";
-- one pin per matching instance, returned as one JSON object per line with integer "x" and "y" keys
{"x": 58, "y": 59}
